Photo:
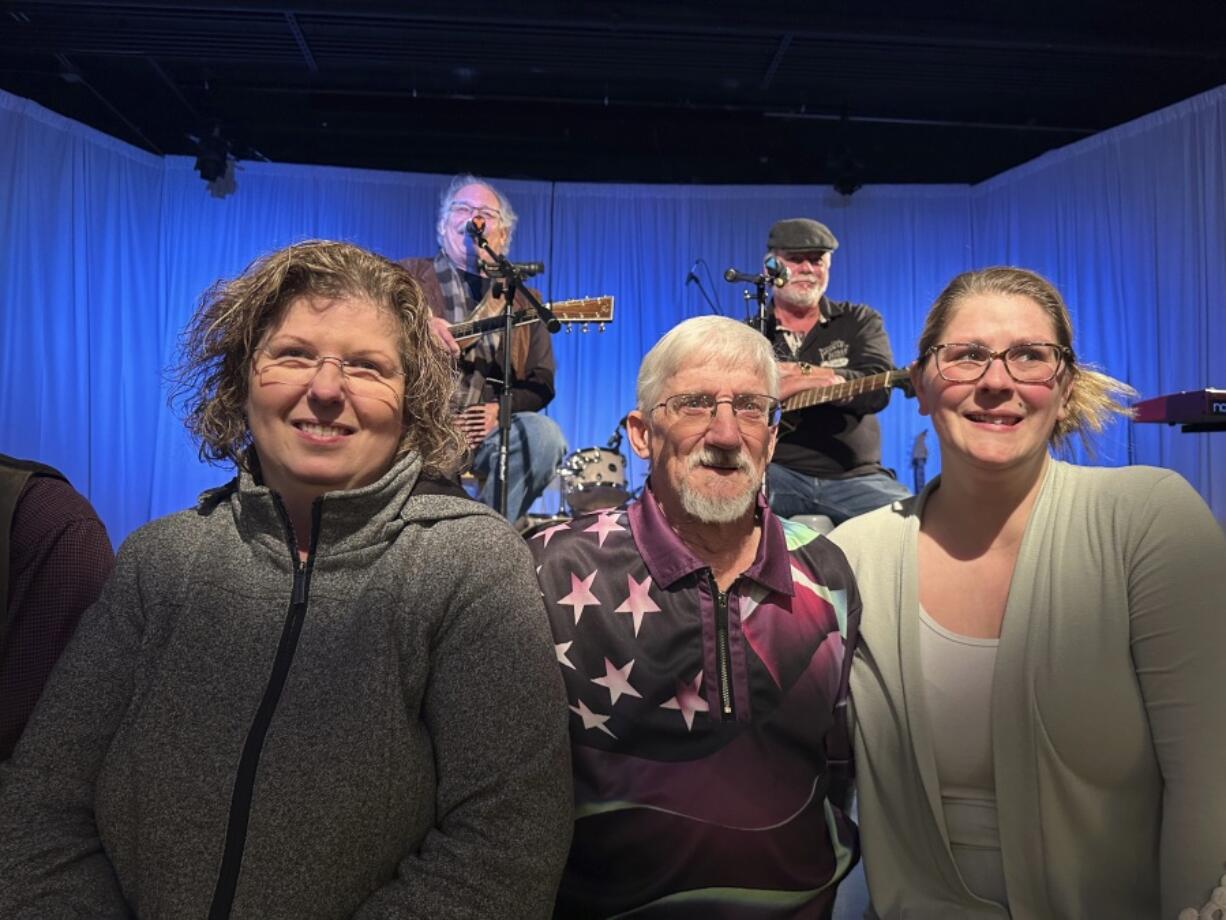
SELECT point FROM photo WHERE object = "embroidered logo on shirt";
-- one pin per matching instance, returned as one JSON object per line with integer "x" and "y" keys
{"x": 835, "y": 354}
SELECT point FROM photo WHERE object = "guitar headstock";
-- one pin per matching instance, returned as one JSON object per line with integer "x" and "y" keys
{"x": 584, "y": 310}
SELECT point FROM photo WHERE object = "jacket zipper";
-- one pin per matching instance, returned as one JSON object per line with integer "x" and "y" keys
{"x": 722, "y": 655}
{"x": 248, "y": 765}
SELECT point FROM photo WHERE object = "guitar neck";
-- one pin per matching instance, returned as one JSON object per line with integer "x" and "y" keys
{"x": 584, "y": 310}
{"x": 848, "y": 389}
{"x": 477, "y": 327}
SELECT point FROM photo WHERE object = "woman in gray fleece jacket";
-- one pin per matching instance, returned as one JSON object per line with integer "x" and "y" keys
{"x": 326, "y": 691}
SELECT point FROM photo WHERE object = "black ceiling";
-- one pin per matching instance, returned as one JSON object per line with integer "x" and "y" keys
{"x": 840, "y": 92}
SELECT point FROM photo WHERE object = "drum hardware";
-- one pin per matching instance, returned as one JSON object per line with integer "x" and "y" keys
{"x": 615, "y": 441}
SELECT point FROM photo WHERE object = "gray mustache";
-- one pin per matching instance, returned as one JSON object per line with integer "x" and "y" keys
{"x": 713, "y": 456}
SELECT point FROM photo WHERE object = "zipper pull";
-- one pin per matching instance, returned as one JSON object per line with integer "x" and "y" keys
{"x": 299, "y": 596}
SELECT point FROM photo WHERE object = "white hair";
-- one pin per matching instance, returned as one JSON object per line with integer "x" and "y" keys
{"x": 715, "y": 340}
{"x": 509, "y": 217}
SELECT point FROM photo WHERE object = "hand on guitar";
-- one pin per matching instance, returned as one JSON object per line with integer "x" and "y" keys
{"x": 477, "y": 421}
{"x": 797, "y": 376}
{"x": 442, "y": 331}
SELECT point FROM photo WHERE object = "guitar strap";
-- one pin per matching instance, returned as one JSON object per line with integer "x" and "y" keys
{"x": 456, "y": 294}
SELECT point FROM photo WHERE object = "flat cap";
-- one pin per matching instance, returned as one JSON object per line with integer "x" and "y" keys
{"x": 801, "y": 233}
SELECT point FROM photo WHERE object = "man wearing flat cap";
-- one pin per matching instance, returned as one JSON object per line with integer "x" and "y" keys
{"x": 828, "y": 457}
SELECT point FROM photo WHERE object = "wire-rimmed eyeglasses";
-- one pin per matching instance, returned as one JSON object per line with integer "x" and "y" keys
{"x": 747, "y": 408}
{"x": 1029, "y": 362}
{"x": 467, "y": 211}
{"x": 298, "y": 367}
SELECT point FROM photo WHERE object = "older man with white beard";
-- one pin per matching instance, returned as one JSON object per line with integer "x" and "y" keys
{"x": 828, "y": 457}
{"x": 457, "y": 288}
{"x": 705, "y": 645}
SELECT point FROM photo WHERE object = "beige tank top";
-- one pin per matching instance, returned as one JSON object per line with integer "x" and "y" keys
{"x": 957, "y": 695}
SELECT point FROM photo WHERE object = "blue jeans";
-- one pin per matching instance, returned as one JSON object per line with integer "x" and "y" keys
{"x": 535, "y": 450}
{"x": 791, "y": 493}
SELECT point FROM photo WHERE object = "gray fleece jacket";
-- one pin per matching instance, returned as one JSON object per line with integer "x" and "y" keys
{"x": 378, "y": 733}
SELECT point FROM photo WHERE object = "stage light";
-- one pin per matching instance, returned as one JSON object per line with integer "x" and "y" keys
{"x": 212, "y": 154}
{"x": 215, "y": 163}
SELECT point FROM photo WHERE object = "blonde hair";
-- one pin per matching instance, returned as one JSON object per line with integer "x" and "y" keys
{"x": 1093, "y": 397}
{"x": 210, "y": 379}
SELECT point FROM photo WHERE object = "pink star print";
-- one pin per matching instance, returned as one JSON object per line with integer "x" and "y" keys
{"x": 580, "y": 594}
{"x": 560, "y": 649}
{"x": 688, "y": 700}
{"x": 548, "y": 532}
{"x": 605, "y": 525}
{"x": 639, "y": 602}
{"x": 592, "y": 719}
{"x": 617, "y": 680}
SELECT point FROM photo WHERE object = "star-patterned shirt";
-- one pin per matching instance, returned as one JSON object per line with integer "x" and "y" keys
{"x": 700, "y": 719}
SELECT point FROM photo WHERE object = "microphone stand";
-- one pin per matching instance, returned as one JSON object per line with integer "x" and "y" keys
{"x": 760, "y": 283}
{"x": 615, "y": 442}
{"x": 919, "y": 459}
{"x": 761, "y": 298}
{"x": 508, "y": 281}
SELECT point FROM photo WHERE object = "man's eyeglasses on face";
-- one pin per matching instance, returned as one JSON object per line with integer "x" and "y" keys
{"x": 749, "y": 409}
{"x": 468, "y": 211}
{"x": 1031, "y": 362}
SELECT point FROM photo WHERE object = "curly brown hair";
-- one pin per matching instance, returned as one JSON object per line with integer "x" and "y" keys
{"x": 1093, "y": 397}
{"x": 210, "y": 379}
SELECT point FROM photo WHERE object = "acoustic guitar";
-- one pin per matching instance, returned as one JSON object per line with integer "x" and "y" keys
{"x": 584, "y": 310}
{"x": 848, "y": 389}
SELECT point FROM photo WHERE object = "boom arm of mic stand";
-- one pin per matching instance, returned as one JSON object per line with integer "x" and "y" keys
{"x": 513, "y": 275}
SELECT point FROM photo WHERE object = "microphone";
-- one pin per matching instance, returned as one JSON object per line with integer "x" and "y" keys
{"x": 775, "y": 270}
{"x": 733, "y": 275}
{"x": 692, "y": 278}
{"x": 528, "y": 269}
{"x": 523, "y": 269}
{"x": 475, "y": 227}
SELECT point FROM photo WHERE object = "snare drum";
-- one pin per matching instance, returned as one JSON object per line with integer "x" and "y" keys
{"x": 594, "y": 478}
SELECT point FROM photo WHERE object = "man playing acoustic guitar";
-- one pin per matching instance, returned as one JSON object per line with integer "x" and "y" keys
{"x": 457, "y": 290}
{"x": 828, "y": 457}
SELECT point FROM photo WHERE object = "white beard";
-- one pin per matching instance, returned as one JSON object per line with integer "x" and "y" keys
{"x": 711, "y": 509}
{"x": 805, "y": 298}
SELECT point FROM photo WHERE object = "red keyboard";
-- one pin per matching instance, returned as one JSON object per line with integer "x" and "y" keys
{"x": 1195, "y": 410}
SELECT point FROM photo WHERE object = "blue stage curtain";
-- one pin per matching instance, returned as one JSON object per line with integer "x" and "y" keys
{"x": 107, "y": 249}
{"x": 1131, "y": 226}
{"x": 80, "y": 347}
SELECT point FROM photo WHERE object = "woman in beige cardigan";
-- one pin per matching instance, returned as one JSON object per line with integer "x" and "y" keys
{"x": 1039, "y": 694}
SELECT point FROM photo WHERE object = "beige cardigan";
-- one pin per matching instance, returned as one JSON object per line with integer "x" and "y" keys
{"x": 1108, "y": 707}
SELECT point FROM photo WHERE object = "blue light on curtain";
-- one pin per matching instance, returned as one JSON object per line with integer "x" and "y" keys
{"x": 1131, "y": 225}
{"x": 80, "y": 229}
{"x": 106, "y": 251}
